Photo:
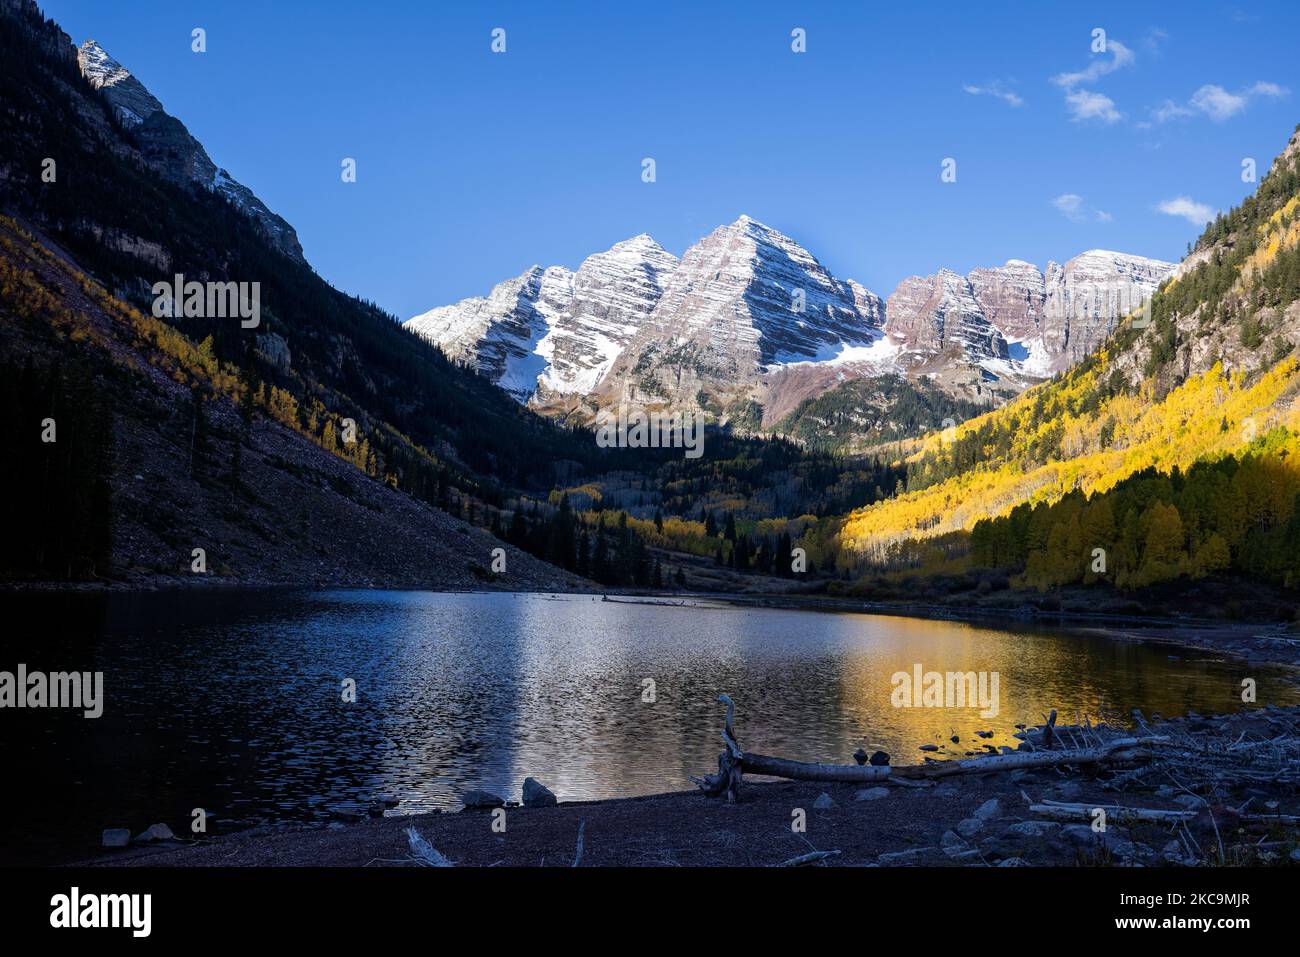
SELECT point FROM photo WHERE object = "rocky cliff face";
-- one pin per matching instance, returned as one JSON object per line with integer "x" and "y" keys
{"x": 1011, "y": 297}
{"x": 1088, "y": 296}
{"x": 552, "y": 333}
{"x": 612, "y": 295}
{"x": 1059, "y": 317}
{"x": 498, "y": 335}
{"x": 938, "y": 314}
{"x": 167, "y": 145}
{"x": 743, "y": 299}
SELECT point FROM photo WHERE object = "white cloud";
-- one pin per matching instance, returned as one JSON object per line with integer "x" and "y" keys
{"x": 1268, "y": 89}
{"x": 1073, "y": 208}
{"x": 1170, "y": 110}
{"x": 1086, "y": 105}
{"x": 1198, "y": 214}
{"x": 1069, "y": 204}
{"x": 1217, "y": 103}
{"x": 1122, "y": 56}
{"x": 995, "y": 89}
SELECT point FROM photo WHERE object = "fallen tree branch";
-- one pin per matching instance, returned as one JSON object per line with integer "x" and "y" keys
{"x": 733, "y": 763}
{"x": 1121, "y": 750}
{"x": 1063, "y": 811}
{"x": 424, "y": 852}
{"x": 810, "y": 858}
{"x": 577, "y": 857}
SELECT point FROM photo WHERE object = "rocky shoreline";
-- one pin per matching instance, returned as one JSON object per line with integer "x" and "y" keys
{"x": 1222, "y": 790}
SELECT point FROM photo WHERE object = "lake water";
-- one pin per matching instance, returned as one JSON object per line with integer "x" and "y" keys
{"x": 233, "y": 701}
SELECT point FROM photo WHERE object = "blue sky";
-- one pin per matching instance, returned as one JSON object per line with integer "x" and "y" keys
{"x": 471, "y": 165}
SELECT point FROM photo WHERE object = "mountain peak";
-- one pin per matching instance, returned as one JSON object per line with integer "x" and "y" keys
{"x": 755, "y": 227}
{"x": 99, "y": 67}
{"x": 129, "y": 98}
{"x": 1110, "y": 255}
{"x": 639, "y": 242}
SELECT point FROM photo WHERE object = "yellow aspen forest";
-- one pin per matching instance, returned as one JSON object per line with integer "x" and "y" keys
{"x": 1124, "y": 435}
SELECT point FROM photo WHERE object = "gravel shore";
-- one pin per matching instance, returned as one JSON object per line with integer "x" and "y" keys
{"x": 964, "y": 820}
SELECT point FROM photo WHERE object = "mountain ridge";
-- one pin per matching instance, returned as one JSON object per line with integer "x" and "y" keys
{"x": 168, "y": 146}
{"x": 747, "y": 315}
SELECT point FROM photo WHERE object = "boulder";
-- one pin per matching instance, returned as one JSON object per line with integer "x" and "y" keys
{"x": 538, "y": 795}
{"x": 952, "y": 843}
{"x": 1066, "y": 791}
{"x": 116, "y": 836}
{"x": 1023, "y": 838}
{"x": 970, "y": 827}
{"x": 155, "y": 832}
{"x": 1033, "y": 829}
{"x": 477, "y": 800}
{"x": 1110, "y": 841}
{"x": 989, "y": 810}
{"x": 823, "y": 802}
{"x": 871, "y": 794}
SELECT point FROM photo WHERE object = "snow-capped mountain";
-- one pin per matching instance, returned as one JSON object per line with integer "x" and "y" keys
{"x": 613, "y": 293}
{"x": 553, "y": 333}
{"x": 744, "y": 299}
{"x": 167, "y": 145}
{"x": 748, "y": 314}
{"x": 498, "y": 335}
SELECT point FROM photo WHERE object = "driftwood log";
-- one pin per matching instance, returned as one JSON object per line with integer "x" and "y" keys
{"x": 1073, "y": 811}
{"x": 733, "y": 763}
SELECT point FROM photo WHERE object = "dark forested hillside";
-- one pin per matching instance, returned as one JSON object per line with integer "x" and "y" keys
{"x": 130, "y": 228}
{"x": 319, "y": 363}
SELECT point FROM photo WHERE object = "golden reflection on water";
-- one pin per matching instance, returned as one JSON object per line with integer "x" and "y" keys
{"x": 562, "y": 698}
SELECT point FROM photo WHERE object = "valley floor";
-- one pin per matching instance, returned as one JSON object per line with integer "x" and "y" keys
{"x": 967, "y": 820}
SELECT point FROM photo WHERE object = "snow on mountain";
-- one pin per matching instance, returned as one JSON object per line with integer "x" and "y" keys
{"x": 498, "y": 335}
{"x": 749, "y": 314}
{"x": 940, "y": 312}
{"x": 551, "y": 332}
{"x": 127, "y": 95}
{"x": 744, "y": 299}
{"x": 1046, "y": 322}
{"x": 612, "y": 295}
{"x": 1088, "y": 296}
{"x": 167, "y": 145}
